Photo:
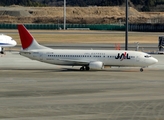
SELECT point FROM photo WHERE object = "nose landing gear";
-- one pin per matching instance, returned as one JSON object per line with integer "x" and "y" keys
{"x": 141, "y": 69}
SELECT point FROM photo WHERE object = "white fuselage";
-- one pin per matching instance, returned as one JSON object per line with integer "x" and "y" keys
{"x": 83, "y": 57}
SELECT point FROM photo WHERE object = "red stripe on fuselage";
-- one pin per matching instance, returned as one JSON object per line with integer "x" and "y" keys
{"x": 25, "y": 37}
{"x": 124, "y": 55}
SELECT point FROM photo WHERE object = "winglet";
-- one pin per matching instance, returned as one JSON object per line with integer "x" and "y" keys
{"x": 25, "y": 37}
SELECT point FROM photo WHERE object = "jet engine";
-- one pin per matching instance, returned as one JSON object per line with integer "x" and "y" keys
{"x": 96, "y": 65}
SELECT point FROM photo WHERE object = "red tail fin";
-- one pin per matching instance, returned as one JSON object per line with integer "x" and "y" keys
{"x": 25, "y": 37}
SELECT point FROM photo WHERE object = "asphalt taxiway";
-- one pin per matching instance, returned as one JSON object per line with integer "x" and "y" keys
{"x": 31, "y": 90}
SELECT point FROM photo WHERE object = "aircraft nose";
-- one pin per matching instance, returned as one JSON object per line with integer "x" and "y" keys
{"x": 154, "y": 60}
{"x": 14, "y": 42}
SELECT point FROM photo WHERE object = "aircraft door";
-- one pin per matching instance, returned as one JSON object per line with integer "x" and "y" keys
{"x": 102, "y": 57}
{"x": 41, "y": 56}
{"x": 137, "y": 58}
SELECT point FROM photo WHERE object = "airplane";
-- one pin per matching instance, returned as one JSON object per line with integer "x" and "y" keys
{"x": 87, "y": 59}
{"x": 6, "y": 41}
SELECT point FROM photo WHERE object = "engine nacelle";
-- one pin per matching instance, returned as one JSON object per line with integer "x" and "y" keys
{"x": 96, "y": 65}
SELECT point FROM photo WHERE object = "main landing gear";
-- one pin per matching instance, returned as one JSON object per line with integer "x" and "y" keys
{"x": 84, "y": 68}
{"x": 141, "y": 69}
{"x": 2, "y": 52}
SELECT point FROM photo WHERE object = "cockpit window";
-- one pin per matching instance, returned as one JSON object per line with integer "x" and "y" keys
{"x": 147, "y": 56}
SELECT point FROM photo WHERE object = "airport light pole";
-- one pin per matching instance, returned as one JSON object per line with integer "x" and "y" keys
{"x": 126, "y": 36}
{"x": 64, "y": 13}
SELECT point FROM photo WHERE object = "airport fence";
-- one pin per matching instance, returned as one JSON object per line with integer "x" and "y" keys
{"x": 120, "y": 27}
{"x": 147, "y": 27}
{"x": 68, "y": 26}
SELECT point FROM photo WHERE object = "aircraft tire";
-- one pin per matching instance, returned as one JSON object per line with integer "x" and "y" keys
{"x": 82, "y": 69}
{"x": 87, "y": 68}
{"x": 141, "y": 69}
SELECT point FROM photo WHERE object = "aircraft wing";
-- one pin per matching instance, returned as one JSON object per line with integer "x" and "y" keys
{"x": 76, "y": 61}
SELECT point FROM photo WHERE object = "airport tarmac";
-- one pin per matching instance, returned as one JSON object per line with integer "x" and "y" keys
{"x": 31, "y": 90}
